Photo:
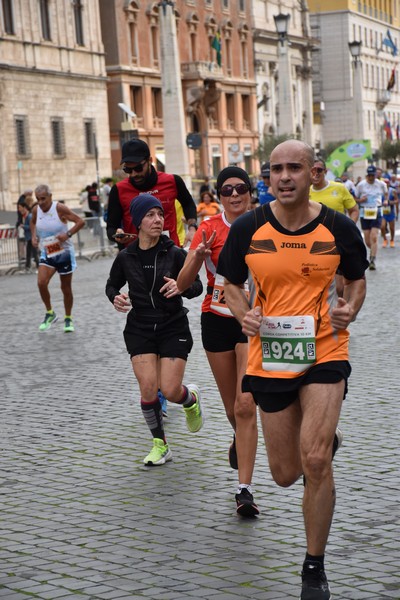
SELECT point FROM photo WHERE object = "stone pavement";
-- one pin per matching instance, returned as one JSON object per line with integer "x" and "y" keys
{"x": 83, "y": 519}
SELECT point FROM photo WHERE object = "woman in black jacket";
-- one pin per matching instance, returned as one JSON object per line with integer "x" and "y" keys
{"x": 157, "y": 334}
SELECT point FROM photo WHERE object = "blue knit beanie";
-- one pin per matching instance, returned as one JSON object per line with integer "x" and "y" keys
{"x": 141, "y": 205}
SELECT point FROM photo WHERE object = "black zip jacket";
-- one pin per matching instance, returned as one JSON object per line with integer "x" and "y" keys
{"x": 149, "y": 306}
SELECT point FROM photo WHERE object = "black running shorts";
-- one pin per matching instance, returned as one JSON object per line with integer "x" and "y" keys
{"x": 274, "y": 394}
{"x": 173, "y": 340}
{"x": 220, "y": 334}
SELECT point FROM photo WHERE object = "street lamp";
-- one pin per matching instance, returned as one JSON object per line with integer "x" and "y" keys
{"x": 285, "y": 92}
{"x": 358, "y": 116}
{"x": 355, "y": 50}
{"x": 282, "y": 25}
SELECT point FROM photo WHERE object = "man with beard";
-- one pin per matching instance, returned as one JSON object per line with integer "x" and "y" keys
{"x": 143, "y": 178}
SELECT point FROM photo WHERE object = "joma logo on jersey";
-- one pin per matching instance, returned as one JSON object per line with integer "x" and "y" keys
{"x": 290, "y": 245}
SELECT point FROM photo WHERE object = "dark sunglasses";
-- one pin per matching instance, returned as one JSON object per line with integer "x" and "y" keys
{"x": 227, "y": 190}
{"x": 137, "y": 168}
{"x": 319, "y": 170}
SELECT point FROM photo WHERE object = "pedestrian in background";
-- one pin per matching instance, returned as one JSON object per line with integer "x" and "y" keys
{"x": 347, "y": 182}
{"x": 157, "y": 334}
{"x": 28, "y": 199}
{"x": 208, "y": 206}
{"x": 95, "y": 206}
{"x": 222, "y": 337}
{"x": 371, "y": 193}
{"x": 49, "y": 227}
{"x": 207, "y": 186}
{"x": 25, "y": 228}
{"x": 390, "y": 209}
{"x": 263, "y": 187}
{"x": 298, "y": 363}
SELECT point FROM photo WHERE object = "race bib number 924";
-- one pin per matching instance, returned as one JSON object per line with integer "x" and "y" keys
{"x": 288, "y": 343}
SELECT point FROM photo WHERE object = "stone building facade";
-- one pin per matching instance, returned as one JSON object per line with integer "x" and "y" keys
{"x": 53, "y": 100}
{"x": 340, "y": 92}
{"x": 299, "y": 45}
{"x": 219, "y": 100}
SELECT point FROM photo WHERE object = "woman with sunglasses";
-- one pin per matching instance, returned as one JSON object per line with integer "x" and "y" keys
{"x": 222, "y": 337}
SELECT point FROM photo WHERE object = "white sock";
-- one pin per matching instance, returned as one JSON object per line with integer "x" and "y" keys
{"x": 244, "y": 485}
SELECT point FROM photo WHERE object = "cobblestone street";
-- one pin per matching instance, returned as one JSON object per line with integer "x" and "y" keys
{"x": 83, "y": 519}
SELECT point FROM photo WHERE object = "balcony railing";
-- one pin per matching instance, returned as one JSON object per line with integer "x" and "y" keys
{"x": 383, "y": 97}
{"x": 201, "y": 69}
{"x": 158, "y": 122}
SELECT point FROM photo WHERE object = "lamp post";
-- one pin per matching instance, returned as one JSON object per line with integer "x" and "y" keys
{"x": 358, "y": 120}
{"x": 285, "y": 94}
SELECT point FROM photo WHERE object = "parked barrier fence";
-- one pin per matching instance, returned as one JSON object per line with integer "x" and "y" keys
{"x": 90, "y": 242}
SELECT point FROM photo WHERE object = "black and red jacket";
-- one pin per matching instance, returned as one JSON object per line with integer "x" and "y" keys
{"x": 165, "y": 187}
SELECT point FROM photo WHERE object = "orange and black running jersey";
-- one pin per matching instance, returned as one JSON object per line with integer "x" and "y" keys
{"x": 221, "y": 226}
{"x": 292, "y": 274}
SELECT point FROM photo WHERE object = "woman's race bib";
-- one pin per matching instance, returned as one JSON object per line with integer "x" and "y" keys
{"x": 386, "y": 210}
{"x": 288, "y": 343}
{"x": 218, "y": 302}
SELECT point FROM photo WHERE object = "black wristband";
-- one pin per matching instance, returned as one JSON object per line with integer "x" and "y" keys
{"x": 69, "y": 234}
{"x": 193, "y": 225}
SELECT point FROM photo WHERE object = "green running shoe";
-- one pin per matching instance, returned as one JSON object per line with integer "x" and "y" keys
{"x": 68, "y": 325}
{"x": 160, "y": 454}
{"x": 194, "y": 415}
{"x": 49, "y": 319}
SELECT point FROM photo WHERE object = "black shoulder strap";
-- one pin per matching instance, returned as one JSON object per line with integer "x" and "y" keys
{"x": 260, "y": 221}
{"x": 328, "y": 219}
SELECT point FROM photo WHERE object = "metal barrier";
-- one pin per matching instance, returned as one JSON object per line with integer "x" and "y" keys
{"x": 9, "y": 247}
{"x": 90, "y": 242}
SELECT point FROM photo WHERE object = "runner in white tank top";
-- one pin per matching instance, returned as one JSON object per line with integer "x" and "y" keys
{"x": 49, "y": 227}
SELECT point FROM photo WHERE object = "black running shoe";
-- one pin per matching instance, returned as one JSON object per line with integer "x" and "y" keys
{"x": 246, "y": 507}
{"x": 233, "y": 461}
{"x": 337, "y": 441}
{"x": 315, "y": 585}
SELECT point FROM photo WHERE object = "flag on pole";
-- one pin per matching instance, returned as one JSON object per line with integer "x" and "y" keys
{"x": 388, "y": 41}
{"x": 216, "y": 44}
{"x": 387, "y": 128}
{"x": 392, "y": 80}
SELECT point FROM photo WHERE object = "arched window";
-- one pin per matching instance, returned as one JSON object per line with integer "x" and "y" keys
{"x": 78, "y": 17}
{"x": 192, "y": 21}
{"x": 152, "y": 13}
{"x": 8, "y": 17}
{"x": 45, "y": 19}
{"x": 131, "y": 10}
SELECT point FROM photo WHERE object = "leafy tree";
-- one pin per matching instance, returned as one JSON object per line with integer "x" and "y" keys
{"x": 267, "y": 144}
{"x": 390, "y": 151}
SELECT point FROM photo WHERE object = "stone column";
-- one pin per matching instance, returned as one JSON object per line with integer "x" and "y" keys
{"x": 176, "y": 151}
{"x": 358, "y": 117}
{"x": 285, "y": 93}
